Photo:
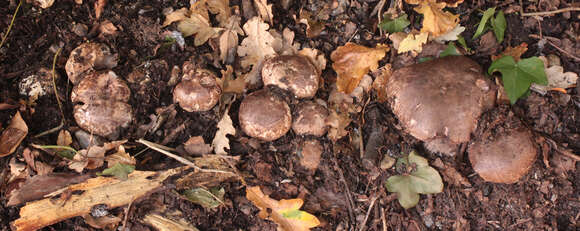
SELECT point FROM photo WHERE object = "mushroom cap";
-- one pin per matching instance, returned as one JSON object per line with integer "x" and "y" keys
{"x": 440, "y": 101}
{"x": 104, "y": 118}
{"x": 86, "y": 58}
{"x": 294, "y": 73}
{"x": 264, "y": 115}
{"x": 103, "y": 86}
{"x": 506, "y": 158}
{"x": 310, "y": 119}
{"x": 197, "y": 91}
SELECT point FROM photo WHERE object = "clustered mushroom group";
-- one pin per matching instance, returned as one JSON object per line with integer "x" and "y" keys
{"x": 438, "y": 102}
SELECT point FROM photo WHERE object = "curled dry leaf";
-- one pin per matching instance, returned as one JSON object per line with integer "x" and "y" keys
{"x": 121, "y": 157}
{"x": 256, "y": 47}
{"x": 337, "y": 125}
{"x": 228, "y": 41}
{"x": 99, "y": 6}
{"x": 284, "y": 44}
{"x": 558, "y": 80}
{"x": 379, "y": 85}
{"x": 313, "y": 26}
{"x": 176, "y": 16}
{"x": 221, "y": 8}
{"x": 436, "y": 21}
{"x": 13, "y": 135}
{"x": 221, "y": 141}
{"x": 352, "y": 61}
{"x": 92, "y": 157}
{"x": 64, "y": 138}
{"x": 231, "y": 85}
{"x": 264, "y": 10}
{"x": 199, "y": 26}
{"x": 413, "y": 43}
{"x": 515, "y": 52}
{"x": 284, "y": 212}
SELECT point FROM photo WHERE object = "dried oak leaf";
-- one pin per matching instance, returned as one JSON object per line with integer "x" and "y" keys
{"x": 435, "y": 21}
{"x": 13, "y": 135}
{"x": 256, "y": 47}
{"x": 264, "y": 10}
{"x": 228, "y": 41}
{"x": 221, "y": 8}
{"x": 515, "y": 52}
{"x": 284, "y": 212}
{"x": 231, "y": 85}
{"x": 199, "y": 26}
{"x": 220, "y": 140}
{"x": 352, "y": 61}
{"x": 284, "y": 43}
{"x": 313, "y": 26}
{"x": 316, "y": 57}
{"x": 176, "y": 16}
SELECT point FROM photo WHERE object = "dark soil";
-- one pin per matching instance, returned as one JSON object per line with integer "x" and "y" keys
{"x": 343, "y": 188}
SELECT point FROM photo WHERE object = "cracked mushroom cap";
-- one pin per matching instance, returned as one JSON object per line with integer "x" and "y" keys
{"x": 310, "y": 119}
{"x": 440, "y": 101}
{"x": 104, "y": 118}
{"x": 294, "y": 73}
{"x": 88, "y": 57}
{"x": 100, "y": 86}
{"x": 506, "y": 158}
{"x": 197, "y": 91}
{"x": 264, "y": 115}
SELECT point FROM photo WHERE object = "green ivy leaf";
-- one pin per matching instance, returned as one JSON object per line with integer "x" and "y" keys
{"x": 486, "y": 16}
{"x": 499, "y": 25}
{"x": 118, "y": 170}
{"x": 450, "y": 50}
{"x": 462, "y": 42}
{"x": 207, "y": 199}
{"x": 394, "y": 25}
{"x": 424, "y": 180}
{"x": 517, "y": 77}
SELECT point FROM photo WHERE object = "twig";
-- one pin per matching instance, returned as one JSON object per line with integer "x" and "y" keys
{"x": 160, "y": 148}
{"x": 11, "y": 23}
{"x": 548, "y": 38}
{"x": 348, "y": 194}
{"x": 368, "y": 213}
{"x": 127, "y": 215}
{"x": 550, "y": 12}
{"x": 54, "y": 82}
{"x": 55, "y": 129}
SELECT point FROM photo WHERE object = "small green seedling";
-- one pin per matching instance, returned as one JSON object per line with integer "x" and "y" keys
{"x": 450, "y": 50}
{"x": 518, "y": 77}
{"x": 121, "y": 171}
{"x": 393, "y": 25}
{"x": 497, "y": 23}
{"x": 419, "y": 178}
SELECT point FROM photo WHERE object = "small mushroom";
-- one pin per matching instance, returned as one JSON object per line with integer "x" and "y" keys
{"x": 104, "y": 118}
{"x": 310, "y": 119}
{"x": 440, "y": 101}
{"x": 197, "y": 91}
{"x": 88, "y": 57}
{"x": 294, "y": 73}
{"x": 100, "y": 86}
{"x": 504, "y": 159}
{"x": 264, "y": 115}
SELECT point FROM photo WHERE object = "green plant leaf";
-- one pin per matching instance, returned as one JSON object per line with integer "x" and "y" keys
{"x": 423, "y": 180}
{"x": 499, "y": 25}
{"x": 486, "y": 15}
{"x": 394, "y": 25}
{"x": 462, "y": 42}
{"x": 450, "y": 50}
{"x": 118, "y": 170}
{"x": 517, "y": 77}
{"x": 207, "y": 199}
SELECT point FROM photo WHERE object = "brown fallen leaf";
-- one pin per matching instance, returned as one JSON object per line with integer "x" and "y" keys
{"x": 196, "y": 146}
{"x": 256, "y": 47}
{"x": 515, "y": 52}
{"x": 264, "y": 10}
{"x": 558, "y": 79}
{"x": 380, "y": 83}
{"x": 220, "y": 141}
{"x": 313, "y": 26}
{"x": 352, "y": 61}
{"x": 231, "y": 85}
{"x": 284, "y": 43}
{"x": 199, "y": 26}
{"x": 92, "y": 157}
{"x": 13, "y": 135}
{"x": 99, "y": 6}
{"x": 176, "y": 16}
{"x": 315, "y": 57}
{"x": 436, "y": 21}
{"x": 64, "y": 138}
{"x": 337, "y": 125}
{"x": 228, "y": 41}
{"x": 40, "y": 185}
{"x": 107, "y": 222}
{"x": 109, "y": 191}
{"x": 163, "y": 223}
{"x": 120, "y": 157}
{"x": 284, "y": 212}
{"x": 221, "y": 8}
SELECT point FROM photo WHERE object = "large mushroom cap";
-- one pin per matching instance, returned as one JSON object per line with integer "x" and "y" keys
{"x": 310, "y": 119}
{"x": 439, "y": 101}
{"x": 104, "y": 118}
{"x": 88, "y": 57}
{"x": 100, "y": 86}
{"x": 504, "y": 159}
{"x": 197, "y": 91}
{"x": 294, "y": 73}
{"x": 264, "y": 115}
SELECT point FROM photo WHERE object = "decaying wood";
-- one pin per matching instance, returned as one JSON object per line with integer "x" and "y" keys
{"x": 162, "y": 223}
{"x": 100, "y": 190}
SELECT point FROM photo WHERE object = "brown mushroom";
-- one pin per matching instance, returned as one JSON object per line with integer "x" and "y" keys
{"x": 100, "y": 86}
{"x": 88, "y": 57}
{"x": 294, "y": 73}
{"x": 440, "y": 101}
{"x": 197, "y": 91}
{"x": 310, "y": 119}
{"x": 505, "y": 158}
{"x": 310, "y": 153}
{"x": 104, "y": 118}
{"x": 264, "y": 115}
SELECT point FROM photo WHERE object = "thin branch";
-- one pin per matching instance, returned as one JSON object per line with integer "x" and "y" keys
{"x": 543, "y": 13}
{"x": 368, "y": 213}
{"x": 11, "y": 23}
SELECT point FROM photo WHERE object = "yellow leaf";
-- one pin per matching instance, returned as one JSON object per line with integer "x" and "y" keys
{"x": 436, "y": 21}
{"x": 285, "y": 213}
{"x": 197, "y": 25}
{"x": 413, "y": 43}
{"x": 352, "y": 61}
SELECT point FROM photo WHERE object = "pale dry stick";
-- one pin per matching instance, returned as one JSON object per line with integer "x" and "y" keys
{"x": 383, "y": 219}
{"x": 11, "y": 23}
{"x": 368, "y": 213}
{"x": 544, "y": 13}
{"x": 127, "y": 215}
{"x": 160, "y": 148}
